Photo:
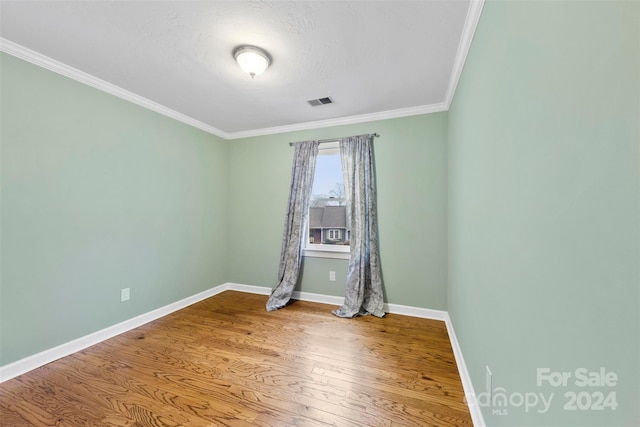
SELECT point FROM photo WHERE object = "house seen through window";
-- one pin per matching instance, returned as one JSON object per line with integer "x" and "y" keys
{"x": 328, "y": 225}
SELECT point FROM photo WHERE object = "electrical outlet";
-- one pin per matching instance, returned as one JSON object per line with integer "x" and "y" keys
{"x": 332, "y": 276}
{"x": 124, "y": 294}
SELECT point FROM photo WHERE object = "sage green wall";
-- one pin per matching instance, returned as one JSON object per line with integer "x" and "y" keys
{"x": 544, "y": 191}
{"x": 410, "y": 157}
{"x": 99, "y": 194}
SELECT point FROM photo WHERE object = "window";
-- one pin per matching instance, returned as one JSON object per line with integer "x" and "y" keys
{"x": 328, "y": 231}
{"x": 335, "y": 234}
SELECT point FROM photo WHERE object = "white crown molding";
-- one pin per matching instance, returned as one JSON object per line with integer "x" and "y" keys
{"x": 471, "y": 22}
{"x": 468, "y": 31}
{"x": 362, "y": 118}
{"x": 58, "y": 67}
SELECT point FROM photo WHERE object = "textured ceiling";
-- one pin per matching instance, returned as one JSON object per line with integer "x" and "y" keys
{"x": 375, "y": 59}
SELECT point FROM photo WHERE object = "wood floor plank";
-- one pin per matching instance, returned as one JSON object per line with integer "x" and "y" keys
{"x": 225, "y": 361}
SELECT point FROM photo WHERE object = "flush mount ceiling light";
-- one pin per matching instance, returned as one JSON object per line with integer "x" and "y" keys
{"x": 252, "y": 59}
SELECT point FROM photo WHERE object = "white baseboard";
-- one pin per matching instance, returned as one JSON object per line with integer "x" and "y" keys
{"x": 29, "y": 363}
{"x": 322, "y": 299}
{"x": 406, "y": 310}
{"x": 303, "y": 296}
{"x": 467, "y": 385}
{"x": 250, "y": 289}
{"x": 425, "y": 313}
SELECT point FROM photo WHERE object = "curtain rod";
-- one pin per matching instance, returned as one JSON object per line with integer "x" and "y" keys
{"x": 322, "y": 141}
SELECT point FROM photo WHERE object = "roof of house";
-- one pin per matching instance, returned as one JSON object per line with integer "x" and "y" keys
{"x": 315, "y": 217}
{"x": 328, "y": 217}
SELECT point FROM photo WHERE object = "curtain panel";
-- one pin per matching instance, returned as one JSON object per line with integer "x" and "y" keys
{"x": 363, "y": 290}
{"x": 363, "y": 287}
{"x": 302, "y": 172}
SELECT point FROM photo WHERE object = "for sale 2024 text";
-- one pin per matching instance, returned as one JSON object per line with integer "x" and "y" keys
{"x": 595, "y": 394}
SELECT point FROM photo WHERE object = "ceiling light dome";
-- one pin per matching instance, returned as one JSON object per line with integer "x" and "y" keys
{"x": 252, "y": 59}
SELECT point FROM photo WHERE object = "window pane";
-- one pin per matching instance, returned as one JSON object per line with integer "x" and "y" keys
{"x": 328, "y": 211}
{"x": 327, "y": 181}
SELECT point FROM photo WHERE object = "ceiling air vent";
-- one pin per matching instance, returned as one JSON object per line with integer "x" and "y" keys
{"x": 320, "y": 101}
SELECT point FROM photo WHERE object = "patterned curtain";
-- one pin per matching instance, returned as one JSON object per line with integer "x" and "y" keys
{"x": 364, "y": 279}
{"x": 302, "y": 171}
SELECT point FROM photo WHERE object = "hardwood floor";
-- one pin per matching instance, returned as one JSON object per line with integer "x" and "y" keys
{"x": 225, "y": 361}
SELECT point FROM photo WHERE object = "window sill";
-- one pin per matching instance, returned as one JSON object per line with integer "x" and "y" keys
{"x": 339, "y": 252}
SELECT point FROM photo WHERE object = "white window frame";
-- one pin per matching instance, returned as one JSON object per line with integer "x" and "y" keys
{"x": 319, "y": 250}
